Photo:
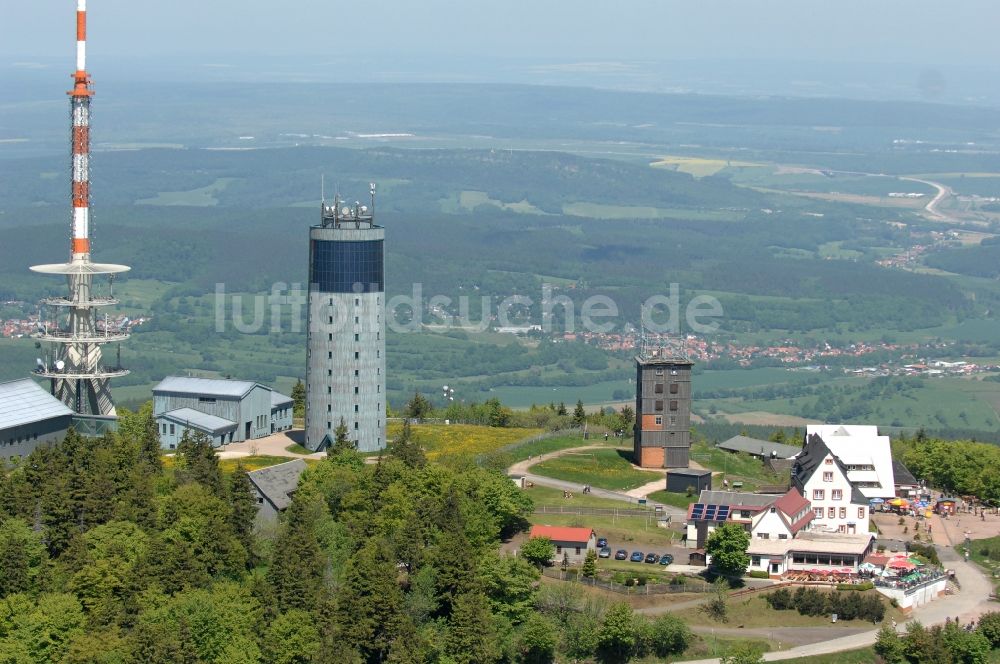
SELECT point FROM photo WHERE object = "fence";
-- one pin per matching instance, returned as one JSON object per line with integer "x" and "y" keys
{"x": 689, "y": 586}
{"x": 596, "y": 511}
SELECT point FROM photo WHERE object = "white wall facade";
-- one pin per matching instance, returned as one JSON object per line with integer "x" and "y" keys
{"x": 829, "y": 492}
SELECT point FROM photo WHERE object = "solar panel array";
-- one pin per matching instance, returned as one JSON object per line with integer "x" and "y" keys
{"x": 703, "y": 512}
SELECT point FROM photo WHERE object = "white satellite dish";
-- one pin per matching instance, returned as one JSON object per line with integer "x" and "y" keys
{"x": 60, "y": 365}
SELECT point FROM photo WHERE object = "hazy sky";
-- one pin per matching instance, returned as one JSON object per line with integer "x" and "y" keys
{"x": 906, "y": 31}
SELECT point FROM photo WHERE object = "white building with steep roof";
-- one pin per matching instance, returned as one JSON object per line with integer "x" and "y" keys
{"x": 865, "y": 454}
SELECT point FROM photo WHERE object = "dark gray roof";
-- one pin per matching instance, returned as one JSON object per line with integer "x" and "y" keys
{"x": 199, "y": 420}
{"x": 902, "y": 474}
{"x": 24, "y": 401}
{"x": 757, "y": 446}
{"x": 217, "y": 387}
{"x": 813, "y": 453}
{"x": 689, "y": 472}
{"x": 277, "y": 482}
{"x": 278, "y": 399}
{"x": 709, "y": 497}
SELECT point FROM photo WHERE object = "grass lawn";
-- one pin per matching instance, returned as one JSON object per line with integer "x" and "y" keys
{"x": 738, "y": 467}
{"x": 295, "y": 448}
{"x": 607, "y": 469}
{"x": 986, "y": 554}
{"x": 716, "y": 646}
{"x": 623, "y": 532}
{"x": 549, "y": 497}
{"x": 522, "y": 451}
{"x": 753, "y": 611}
{"x": 681, "y": 500}
{"x": 862, "y": 656}
{"x": 249, "y": 462}
{"x": 448, "y": 439}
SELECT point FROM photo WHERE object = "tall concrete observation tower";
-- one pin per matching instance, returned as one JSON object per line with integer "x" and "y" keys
{"x": 662, "y": 409}
{"x": 345, "y": 362}
{"x": 74, "y": 362}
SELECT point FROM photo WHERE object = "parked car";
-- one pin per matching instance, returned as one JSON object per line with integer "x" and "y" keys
{"x": 602, "y": 542}
{"x": 605, "y": 552}
{"x": 621, "y": 554}
{"x": 652, "y": 558}
{"x": 666, "y": 559}
{"x": 636, "y": 557}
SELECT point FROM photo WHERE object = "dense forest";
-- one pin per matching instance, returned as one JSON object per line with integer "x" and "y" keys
{"x": 111, "y": 554}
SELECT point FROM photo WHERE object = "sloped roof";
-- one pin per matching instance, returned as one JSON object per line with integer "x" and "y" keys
{"x": 277, "y": 483}
{"x": 217, "y": 387}
{"x": 859, "y": 445}
{"x": 199, "y": 420}
{"x": 757, "y": 446}
{"x": 279, "y": 399}
{"x": 735, "y": 498}
{"x": 792, "y": 502}
{"x": 901, "y": 474}
{"x": 806, "y": 464}
{"x": 24, "y": 401}
{"x": 562, "y": 533}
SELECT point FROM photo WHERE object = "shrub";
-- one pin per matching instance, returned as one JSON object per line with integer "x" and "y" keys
{"x": 678, "y": 580}
{"x": 989, "y": 626}
{"x": 867, "y": 585}
{"x": 758, "y": 574}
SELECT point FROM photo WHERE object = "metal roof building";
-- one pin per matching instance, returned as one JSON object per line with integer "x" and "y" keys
{"x": 759, "y": 448}
{"x": 274, "y": 486}
{"x": 29, "y": 417}
{"x": 227, "y": 411}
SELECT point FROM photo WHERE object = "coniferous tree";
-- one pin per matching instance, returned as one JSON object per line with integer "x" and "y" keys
{"x": 299, "y": 399}
{"x": 579, "y": 414}
{"x": 198, "y": 462}
{"x": 341, "y": 442}
{"x": 369, "y": 612}
{"x": 471, "y": 637}
{"x": 244, "y": 510}
{"x": 14, "y": 576}
{"x": 406, "y": 449}
{"x": 562, "y": 409}
{"x": 298, "y": 566}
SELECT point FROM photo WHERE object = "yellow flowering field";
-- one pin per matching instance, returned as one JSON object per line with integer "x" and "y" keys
{"x": 446, "y": 439}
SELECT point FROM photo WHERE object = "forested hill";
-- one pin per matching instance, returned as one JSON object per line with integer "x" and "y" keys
{"x": 287, "y": 176}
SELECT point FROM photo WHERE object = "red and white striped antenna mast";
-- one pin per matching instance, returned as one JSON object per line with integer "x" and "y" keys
{"x": 75, "y": 364}
{"x": 80, "y": 105}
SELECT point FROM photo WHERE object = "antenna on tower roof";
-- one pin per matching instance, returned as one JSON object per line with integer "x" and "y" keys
{"x": 322, "y": 188}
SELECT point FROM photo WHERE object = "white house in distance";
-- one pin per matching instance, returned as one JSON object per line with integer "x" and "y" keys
{"x": 571, "y": 542}
{"x": 821, "y": 477}
{"x": 866, "y": 455}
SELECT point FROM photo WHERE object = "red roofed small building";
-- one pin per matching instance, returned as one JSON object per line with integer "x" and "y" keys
{"x": 571, "y": 542}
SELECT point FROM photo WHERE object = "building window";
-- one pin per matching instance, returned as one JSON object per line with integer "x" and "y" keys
{"x": 558, "y": 549}
{"x": 831, "y": 513}
{"x": 330, "y": 321}
{"x": 206, "y": 399}
{"x": 818, "y": 511}
{"x": 329, "y": 390}
{"x": 659, "y": 419}
{"x": 329, "y": 425}
{"x": 828, "y": 461}
{"x": 357, "y": 337}
{"x": 828, "y": 476}
{"x": 861, "y": 512}
{"x": 329, "y": 408}
{"x": 329, "y": 337}
{"x": 837, "y": 494}
{"x": 659, "y": 371}
{"x": 357, "y": 301}
{"x": 577, "y": 550}
{"x": 843, "y": 512}
{"x": 755, "y": 561}
{"x": 674, "y": 387}
{"x": 329, "y": 355}
{"x": 782, "y": 536}
{"x": 763, "y": 536}
{"x": 819, "y": 494}
{"x": 355, "y": 426}
{"x": 357, "y": 373}
{"x": 658, "y": 406}
{"x": 673, "y": 405}
{"x": 357, "y": 355}
{"x": 356, "y": 320}
{"x": 355, "y": 408}
{"x": 329, "y": 372}
{"x": 355, "y": 389}
{"x": 673, "y": 420}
